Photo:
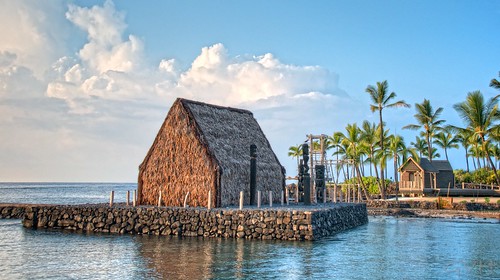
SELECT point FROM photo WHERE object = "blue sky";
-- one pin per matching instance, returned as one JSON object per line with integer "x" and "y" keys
{"x": 85, "y": 85}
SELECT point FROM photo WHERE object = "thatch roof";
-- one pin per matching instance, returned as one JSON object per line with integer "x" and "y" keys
{"x": 225, "y": 135}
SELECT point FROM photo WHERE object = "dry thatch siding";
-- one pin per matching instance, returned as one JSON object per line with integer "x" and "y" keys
{"x": 202, "y": 147}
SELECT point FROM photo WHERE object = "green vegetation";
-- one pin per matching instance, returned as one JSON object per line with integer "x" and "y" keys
{"x": 363, "y": 153}
{"x": 479, "y": 176}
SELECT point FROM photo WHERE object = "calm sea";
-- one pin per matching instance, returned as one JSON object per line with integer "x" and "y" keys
{"x": 386, "y": 248}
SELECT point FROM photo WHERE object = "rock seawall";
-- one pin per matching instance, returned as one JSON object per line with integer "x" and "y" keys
{"x": 12, "y": 212}
{"x": 434, "y": 205}
{"x": 308, "y": 223}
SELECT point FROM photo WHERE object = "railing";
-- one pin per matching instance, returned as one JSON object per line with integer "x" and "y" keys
{"x": 410, "y": 185}
{"x": 474, "y": 186}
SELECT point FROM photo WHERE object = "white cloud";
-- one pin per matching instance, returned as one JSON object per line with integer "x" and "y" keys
{"x": 105, "y": 49}
{"x": 96, "y": 113}
{"x": 35, "y": 31}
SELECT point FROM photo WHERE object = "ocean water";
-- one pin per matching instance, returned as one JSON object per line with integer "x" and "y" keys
{"x": 385, "y": 248}
{"x": 64, "y": 193}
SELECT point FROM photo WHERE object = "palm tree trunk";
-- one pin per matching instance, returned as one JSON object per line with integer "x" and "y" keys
{"x": 396, "y": 175}
{"x": 360, "y": 181}
{"x": 467, "y": 160}
{"x": 382, "y": 181}
{"x": 489, "y": 159}
{"x": 429, "y": 146}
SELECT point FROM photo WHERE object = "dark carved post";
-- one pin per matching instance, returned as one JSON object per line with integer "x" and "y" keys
{"x": 306, "y": 178}
{"x": 253, "y": 173}
{"x": 320, "y": 181}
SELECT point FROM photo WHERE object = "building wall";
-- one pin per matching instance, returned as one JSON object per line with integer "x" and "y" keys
{"x": 428, "y": 180}
{"x": 444, "y": 178}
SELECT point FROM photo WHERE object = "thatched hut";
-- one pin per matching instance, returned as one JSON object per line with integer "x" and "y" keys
{"x": 202, "y": 147}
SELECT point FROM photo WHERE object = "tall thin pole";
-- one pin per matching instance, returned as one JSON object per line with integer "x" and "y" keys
{"x": 253, "y": 173}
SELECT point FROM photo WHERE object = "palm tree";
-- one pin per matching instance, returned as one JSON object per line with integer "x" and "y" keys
{"x": 481, "y": 118}
{"x": 495, "y": 83}
{"x": 381, "y": 99}
{"x": 465, "y": 137}
{"x": 333, "y": 142}
{"x": 354, "y": 152}
{"x": 370, "y": 138}
{"x": 434, "y": 153}
{"x": 420, "y": 145}
{"x": 428, "y": 120}
{"x": 446, "y": 141}
{"x": 396, "y": 147}
{"x": 495, "y": 152}
{"x": 295, "y": 152}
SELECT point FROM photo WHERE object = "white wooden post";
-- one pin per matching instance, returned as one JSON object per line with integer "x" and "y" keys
{"x": 282, "y": 199}
{"x": 159, "y": 199}
{"x": 128, "y": 198}
{"x": 241, "y": 200}
{"x": 258, "y": 199}
{"x": 209, "y": 200}
{"x": 270, "y": 199}
{"x": 185, "y": 200}
{"x": 111, "y": 198}
{"x": 324, "y": 195}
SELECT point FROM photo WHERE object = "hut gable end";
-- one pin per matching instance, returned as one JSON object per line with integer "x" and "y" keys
{"x": 176, "y": 161}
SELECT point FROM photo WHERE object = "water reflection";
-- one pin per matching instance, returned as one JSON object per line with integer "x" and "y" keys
{"x": 208, "y": 258}
{"x": 386, "y": 248}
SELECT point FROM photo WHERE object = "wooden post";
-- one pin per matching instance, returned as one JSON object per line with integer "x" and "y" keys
{"x": 335, "y": 193}
{"x": 348, "y": 198}
{"x": 359, "y": 193}
{"x": 111, "y": 198}
{"x": 209, "y": 206}
{"x": 463, "y": 185}
{"x": 241, "y": 200}
{"x": 258, "y": 198}
{"x": 270, "y": 199}
{"x": 134, "y": 198}
{"x": 253, "y": 173}
{"x": 185, "y": 200}
{"x": 297, "y": 194}
{"x": 282, "y": 198}
{"x": 159, "y": 200}
{"x": 286, "y": 196}
{"x": 128, "y": 198}
{"x": 324, "y": 195}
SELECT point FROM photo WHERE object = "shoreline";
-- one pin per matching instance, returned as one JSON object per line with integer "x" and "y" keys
{"x": 433, "y": 213}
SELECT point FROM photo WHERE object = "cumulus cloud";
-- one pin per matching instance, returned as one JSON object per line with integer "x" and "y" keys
{"x": 95, "y": 112}
{"x": 105, "y": 50}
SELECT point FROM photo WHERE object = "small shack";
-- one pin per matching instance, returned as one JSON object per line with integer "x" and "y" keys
{"x": 202, "y": 147}
{"x": 425, "y": 177}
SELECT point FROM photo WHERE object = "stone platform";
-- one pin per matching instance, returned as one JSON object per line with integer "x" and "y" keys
{"x": 284, "y": 223}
